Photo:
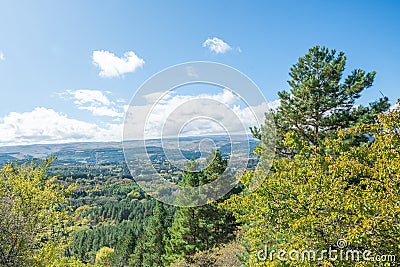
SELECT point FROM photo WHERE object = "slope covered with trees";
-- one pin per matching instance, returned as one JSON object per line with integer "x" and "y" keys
{"x": 328, "y": 193}
{"x": 333, "y": 184}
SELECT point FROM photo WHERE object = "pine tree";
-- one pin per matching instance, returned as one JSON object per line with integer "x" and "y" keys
{"x": 216, "y": 165}
{"x": 150, "y": 249}
{"x": 154, "y": 237}
{"x": 124, "y": 249}
{"x": 320, "y": 101}
{"x": 199, "y": 228}
{"x": 136, "y": 259}
{"x": 183, "y": 233}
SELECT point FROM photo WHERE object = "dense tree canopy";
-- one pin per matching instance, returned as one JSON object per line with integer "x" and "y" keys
{"x": 33, "y": 216}
{"x": 328, "y": 193}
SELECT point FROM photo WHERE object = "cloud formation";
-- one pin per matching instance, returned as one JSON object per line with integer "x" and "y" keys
{"x": 46, "y": 126}
{"x": 216, "y": 45}
{"x": 192, "y": 115}
{"x": 186, "y": 115}
{"x": 94, "y": 101}
{"x": 274, "y": 104}
{"x": 84, "y": 96}
{"x": 112, "y": 66}
{"x": 2, "y": 58}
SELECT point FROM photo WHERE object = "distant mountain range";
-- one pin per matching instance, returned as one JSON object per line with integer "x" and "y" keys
{"x": 109, "y": 152}
{"x": 44, "y": 150}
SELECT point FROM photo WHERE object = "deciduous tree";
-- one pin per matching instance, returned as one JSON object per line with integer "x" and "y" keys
{"x": 33, "y": 215}
{"x": 327, "y": 193}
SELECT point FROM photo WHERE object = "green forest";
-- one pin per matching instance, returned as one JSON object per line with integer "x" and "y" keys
{"x": 333, "y": 187}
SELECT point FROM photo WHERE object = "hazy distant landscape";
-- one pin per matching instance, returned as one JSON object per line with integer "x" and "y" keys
{"x": 94, "y": 153}
{"x": 199, "y": 133}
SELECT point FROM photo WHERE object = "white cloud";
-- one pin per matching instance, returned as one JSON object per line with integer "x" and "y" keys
{"x": 274, "y": 104}
{"x": 2, "y": 58}
{"x": 89, "y": 97}
{"x": 103, "y": 111}
{"x": 216, "y": 45}
{"x": 112, "y": 66}
{"x": 152, "y": 97}
{"x": 191, "y": 115}
{"x": 46, "y": 126}
{"x": 96, "y": 102}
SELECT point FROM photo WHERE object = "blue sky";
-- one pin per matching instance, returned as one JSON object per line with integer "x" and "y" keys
{"x": 47, "y": 49}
